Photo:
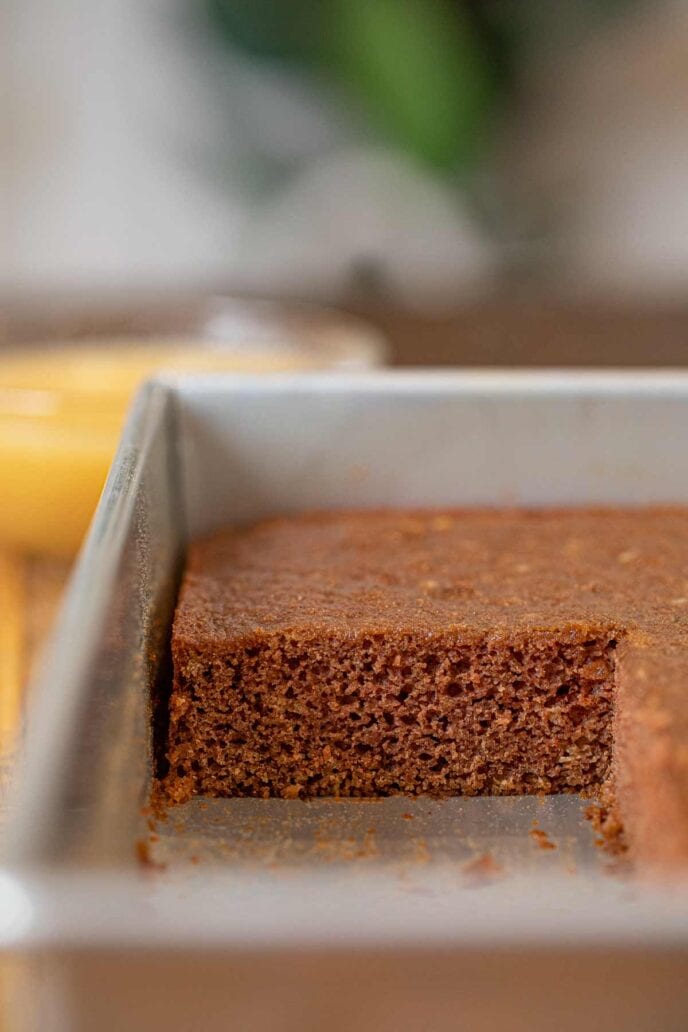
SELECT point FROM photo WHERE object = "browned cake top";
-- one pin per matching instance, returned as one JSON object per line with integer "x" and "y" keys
{"x": 474, "y": 571}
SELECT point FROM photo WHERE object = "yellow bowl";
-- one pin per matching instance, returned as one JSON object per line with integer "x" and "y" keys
{"x": 62, "y": 409}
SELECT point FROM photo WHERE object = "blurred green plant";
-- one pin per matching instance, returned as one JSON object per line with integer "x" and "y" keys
{"x": 430, "y": 75}
{"x": 421, "y": 72}
{"x": 419, "y": 68}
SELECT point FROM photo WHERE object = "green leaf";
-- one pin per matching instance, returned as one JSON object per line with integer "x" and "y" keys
{"x": 419, "y": 69}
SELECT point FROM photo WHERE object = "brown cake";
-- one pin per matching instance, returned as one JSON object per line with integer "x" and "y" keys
{"x": 464, "y": 652}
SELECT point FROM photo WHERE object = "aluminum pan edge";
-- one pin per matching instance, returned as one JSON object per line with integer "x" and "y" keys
{"x": 62, "y": 681}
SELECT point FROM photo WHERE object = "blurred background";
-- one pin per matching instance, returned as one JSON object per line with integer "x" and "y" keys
{"x": 414, "y": 154}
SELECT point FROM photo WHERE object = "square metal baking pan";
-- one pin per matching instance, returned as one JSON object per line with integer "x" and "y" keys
{"x": 281, "y": 914}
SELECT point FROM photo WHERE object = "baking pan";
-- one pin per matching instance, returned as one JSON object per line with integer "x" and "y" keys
{"x": 270, "y": 914}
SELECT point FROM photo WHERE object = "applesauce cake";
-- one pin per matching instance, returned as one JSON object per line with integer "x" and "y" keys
{"x": 455, "y": 652}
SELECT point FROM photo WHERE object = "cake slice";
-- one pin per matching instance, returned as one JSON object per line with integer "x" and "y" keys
{"x": 462, "y": 652}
